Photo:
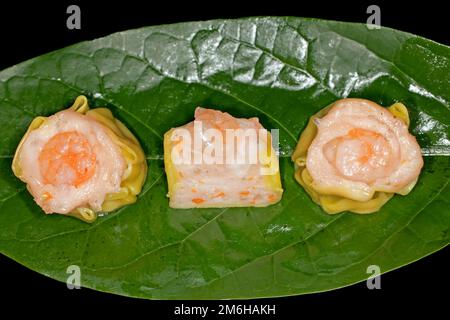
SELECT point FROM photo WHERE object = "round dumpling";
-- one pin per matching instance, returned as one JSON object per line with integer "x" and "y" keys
{"x": 354, "y": 155}
{"x": 69, "y": 162}
{"x": 80, "y": 162}
{"x": 361, "y": 148}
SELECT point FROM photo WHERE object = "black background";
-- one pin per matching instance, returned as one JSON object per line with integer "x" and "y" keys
{"x": 31, "y": 29}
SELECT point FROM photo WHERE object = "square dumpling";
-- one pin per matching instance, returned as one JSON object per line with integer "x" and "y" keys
{"x": 221, "y": 161}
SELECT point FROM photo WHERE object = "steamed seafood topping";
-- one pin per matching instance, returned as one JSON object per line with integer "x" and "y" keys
{"x": 67, "y": 158}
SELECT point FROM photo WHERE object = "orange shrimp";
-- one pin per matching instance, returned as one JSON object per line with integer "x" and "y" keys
{"x": 67, "y": 158}
{"x": 359, "y": 133}
{"x": 368, "y": 152}
{"x": 198, "y": 200}
{"x": 219, "y": 120}
{"x": 220, "y": 194}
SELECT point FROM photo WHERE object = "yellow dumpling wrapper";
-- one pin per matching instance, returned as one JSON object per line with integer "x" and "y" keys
{"x": 333, "y": 204}
{"x": 136, "y": 165}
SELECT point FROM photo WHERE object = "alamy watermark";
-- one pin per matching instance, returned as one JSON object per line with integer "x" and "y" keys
{"x": 374, "y": 20}
{"x": 74, "y": 279}
{"x": 374, "y": 280}
{"x": 73, "y": 22}
{"x": 227, "y": 146}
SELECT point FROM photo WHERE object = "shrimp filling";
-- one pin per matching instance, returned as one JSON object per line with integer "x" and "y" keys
{"x": 360, "y": 155}
{"x": 67, "y": 158}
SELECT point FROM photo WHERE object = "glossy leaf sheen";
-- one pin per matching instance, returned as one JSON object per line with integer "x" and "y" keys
{"x": 281, "y": 70}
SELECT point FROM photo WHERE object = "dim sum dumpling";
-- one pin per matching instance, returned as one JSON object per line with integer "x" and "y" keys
{"x": 80, "y": 162}
{"x": 355, "y": 155}
{"x": 225, "y": 184}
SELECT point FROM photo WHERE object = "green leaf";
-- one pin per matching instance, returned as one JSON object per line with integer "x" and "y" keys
{"x": 281, "y": 70}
